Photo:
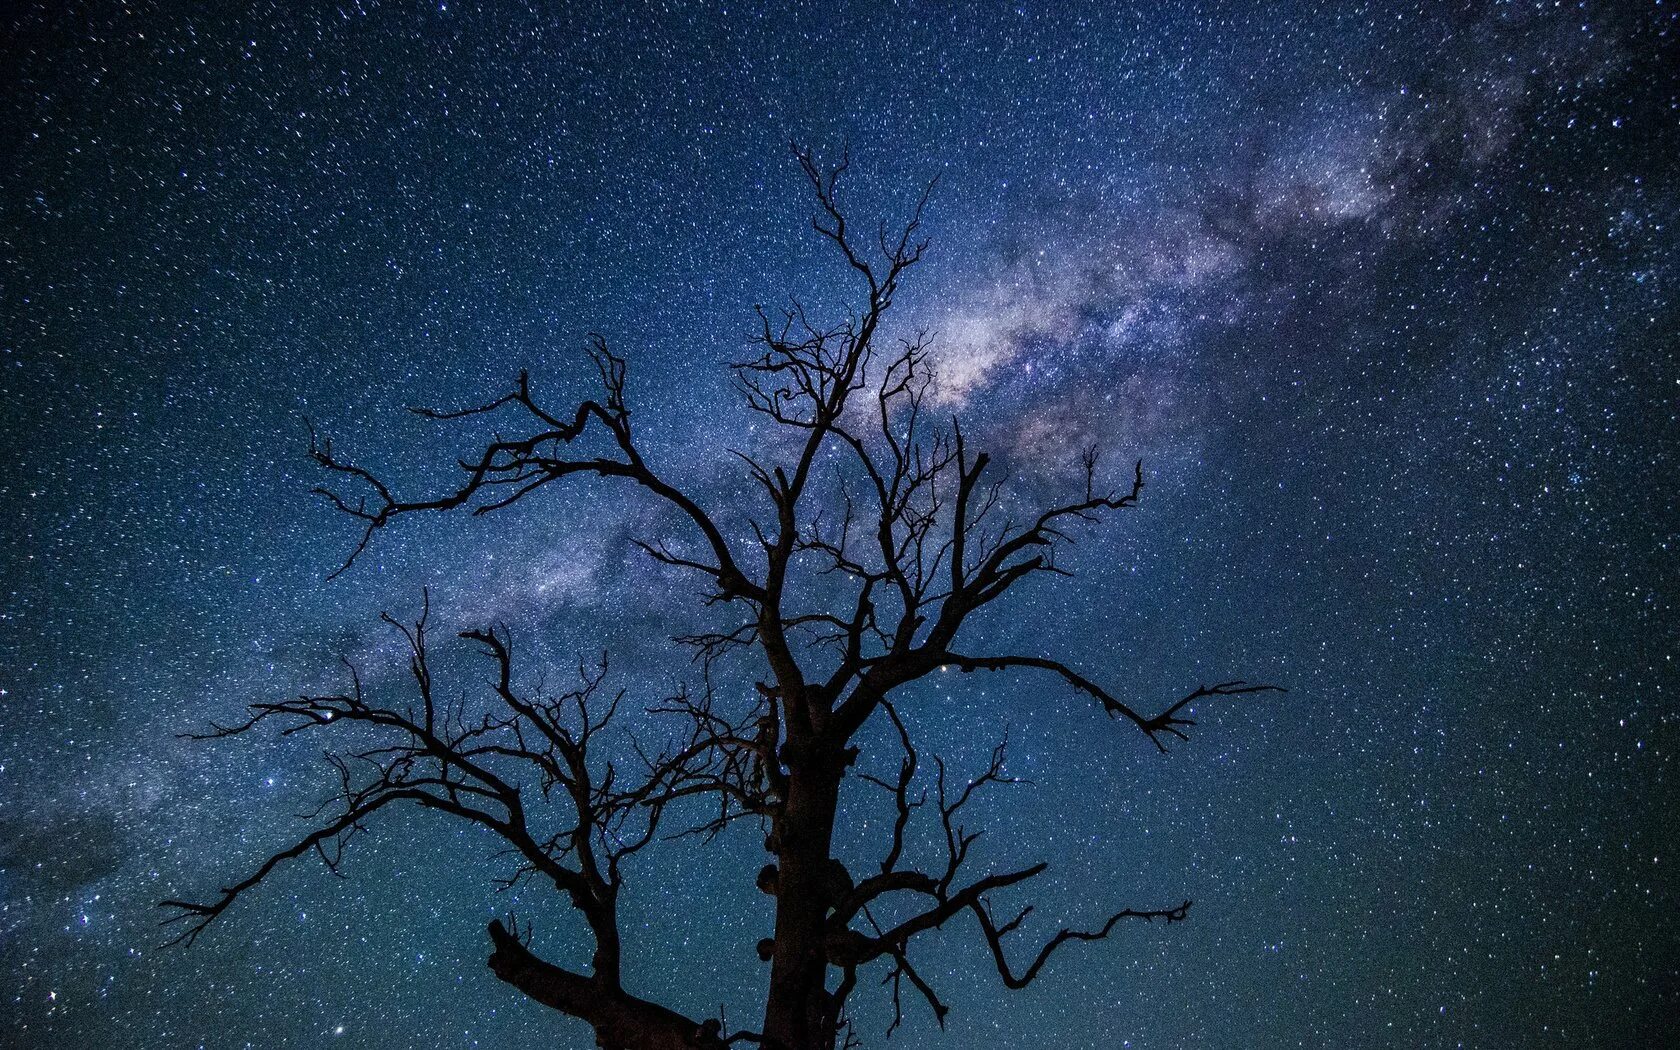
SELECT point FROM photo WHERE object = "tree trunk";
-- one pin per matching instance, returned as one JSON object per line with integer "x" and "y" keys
{"x": 797, "y": 1015}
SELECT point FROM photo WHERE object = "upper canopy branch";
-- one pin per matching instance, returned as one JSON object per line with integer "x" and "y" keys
{"x": 507, "y": 470}
{"x": 900, "y": 253}
{"x": 931, "y": 526}
{"x": 995, "y": 573}
{"x": 1165, "y": 722}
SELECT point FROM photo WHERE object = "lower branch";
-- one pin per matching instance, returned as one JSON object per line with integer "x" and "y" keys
{"x": 621, "y": 1021}
{"x": 995, "y": 934}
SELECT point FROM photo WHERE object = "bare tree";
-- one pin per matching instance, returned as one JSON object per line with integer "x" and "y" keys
{"x": 853, "y": 586}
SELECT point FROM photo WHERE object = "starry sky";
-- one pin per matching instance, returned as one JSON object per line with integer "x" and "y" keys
{"x": 1384, "y": 295}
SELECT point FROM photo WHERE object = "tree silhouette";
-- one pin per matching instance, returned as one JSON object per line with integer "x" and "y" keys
{"x": 848, "y": 590}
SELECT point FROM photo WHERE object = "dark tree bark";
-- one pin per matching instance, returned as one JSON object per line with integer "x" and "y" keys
{"x": 915, "y": 536}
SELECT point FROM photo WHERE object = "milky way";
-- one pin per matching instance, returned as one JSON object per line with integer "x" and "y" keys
{"x": 1384, "y": 297}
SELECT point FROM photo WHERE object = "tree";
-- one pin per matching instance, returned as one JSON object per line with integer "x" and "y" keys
{"x": 850, "y": 589}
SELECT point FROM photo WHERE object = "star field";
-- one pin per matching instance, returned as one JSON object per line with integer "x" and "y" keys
{"x": 1385, "y": 296}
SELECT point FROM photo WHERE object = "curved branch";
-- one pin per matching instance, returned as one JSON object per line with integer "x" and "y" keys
{"x": 1166, "y": 721}
{"x": 995, "y": 934}
{"x": 199, "y": 916}
{"x": 619, "y": 1018}
{"x": 525, "y": 464}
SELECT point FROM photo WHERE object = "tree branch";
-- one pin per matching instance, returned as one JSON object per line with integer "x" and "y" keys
{"x": 1166, "y": 722}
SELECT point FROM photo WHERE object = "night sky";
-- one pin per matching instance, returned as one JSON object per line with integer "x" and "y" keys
{"x": 1385, "y": 297}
